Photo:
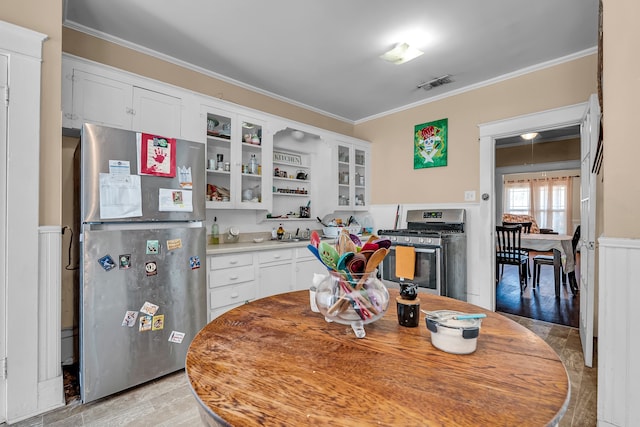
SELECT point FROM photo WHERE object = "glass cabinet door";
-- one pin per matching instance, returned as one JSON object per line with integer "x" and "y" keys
{"x": 251, "y": 157}
{"x": 353, "y": 176}
{"x": 220, "y": 188}
{"x": 360, "y": 174}
{"x": 344, "y": 176}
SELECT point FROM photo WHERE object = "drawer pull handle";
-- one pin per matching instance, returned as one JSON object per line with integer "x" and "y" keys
{"x": 233, "y": 277}
{"x": 276, "y": 256}
{"x": 235, "y": 295}
{"x": 233, "y": 261}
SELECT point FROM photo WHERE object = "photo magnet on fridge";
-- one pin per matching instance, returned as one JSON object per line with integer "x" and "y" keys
{"x": 107, "y": 262}
{"x": 194, "y": 262}
{"x": 158, "y": 322}
{"x": 153, "y": 247}
{"x": 125, "y": 261}
{"x": 145, "y": 323}
{"x": 149, "y": 308}
{"x": 151, "y": 268}
{"x": 130, "y": 318}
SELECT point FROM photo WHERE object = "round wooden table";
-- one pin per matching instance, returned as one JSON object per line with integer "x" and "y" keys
{"x": 275, "y": 362}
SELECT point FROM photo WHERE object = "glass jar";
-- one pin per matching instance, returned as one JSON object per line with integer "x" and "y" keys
{"x": 352, "y": 299}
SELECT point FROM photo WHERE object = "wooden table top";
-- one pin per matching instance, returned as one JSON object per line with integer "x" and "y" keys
{"x": 275, "y": 362}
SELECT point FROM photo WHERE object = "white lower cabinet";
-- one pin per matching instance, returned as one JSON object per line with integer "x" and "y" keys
{"x": 305, "y": 267}
{"x": 235, "y": 279}
{"x": 275, "y": 272}
{"x": 231, "y": 282}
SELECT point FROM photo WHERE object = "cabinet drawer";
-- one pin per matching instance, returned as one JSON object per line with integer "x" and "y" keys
{"x": 221, "y": 310}
{"x": 228, "y": 276}
{"x": 273, "y": 256}
{"x": 231, "y": 260}
{"x": 304, "y": 253}
{"x": 233, "y": 294}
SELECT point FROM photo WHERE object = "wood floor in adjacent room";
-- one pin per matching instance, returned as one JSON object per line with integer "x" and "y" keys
{"x": 539, "y": 303}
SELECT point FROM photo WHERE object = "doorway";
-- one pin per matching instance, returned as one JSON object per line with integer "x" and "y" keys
{"x": 545, "y": 162}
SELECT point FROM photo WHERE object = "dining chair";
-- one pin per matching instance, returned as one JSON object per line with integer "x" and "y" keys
{"x": 509, "y": 251}
{"x": 526, "y": 228}
{"x": 540, "y": 260}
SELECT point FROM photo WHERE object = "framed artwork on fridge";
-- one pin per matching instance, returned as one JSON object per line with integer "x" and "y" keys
{"x": 430, "y": 144}
{"x": 157, "y": 155}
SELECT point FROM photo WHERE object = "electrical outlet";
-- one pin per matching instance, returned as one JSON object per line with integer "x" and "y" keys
{"x": 469, "y": 196}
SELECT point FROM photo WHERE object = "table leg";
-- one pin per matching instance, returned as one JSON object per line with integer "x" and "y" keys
{"x": 557, "y": 263}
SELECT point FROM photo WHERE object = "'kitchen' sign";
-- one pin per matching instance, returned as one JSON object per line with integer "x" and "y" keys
{"x": 293, "y": 159}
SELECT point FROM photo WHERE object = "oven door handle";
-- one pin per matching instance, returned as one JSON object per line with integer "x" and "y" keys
{"x": 421, "y": 249}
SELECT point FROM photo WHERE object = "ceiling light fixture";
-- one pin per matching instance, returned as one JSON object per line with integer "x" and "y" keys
{"x": 529, "y": 136}
{"x": 401, "y": 53}
{"x": 435, "y": 82}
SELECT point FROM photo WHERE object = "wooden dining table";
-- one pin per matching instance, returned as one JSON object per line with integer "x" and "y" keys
{"x": 275, "y": 362}
{"x": 562, "y": 247}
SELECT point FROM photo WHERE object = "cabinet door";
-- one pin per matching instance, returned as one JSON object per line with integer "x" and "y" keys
{"x": 254, "y": 147}
{"x": 156, "y": 113}
{"x": 304, "y": 271}
{"x": 353, "y": 174}
{"x": 101, "y": 100}
{"x": 274, "y": 279}
{"x": 221, "y": 154}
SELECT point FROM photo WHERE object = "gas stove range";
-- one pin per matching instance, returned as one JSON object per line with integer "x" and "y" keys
{"x": 428, "y": 227}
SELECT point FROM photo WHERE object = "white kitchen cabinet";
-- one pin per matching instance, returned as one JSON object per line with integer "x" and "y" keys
{"x": 230, "y": 282}
{"x": 235, "y": 143}
{"x": 306, "y": 265}
{"x": 275, "y": 271}
{"x": 118, "y": 103}
{"x": 352, "y": 175}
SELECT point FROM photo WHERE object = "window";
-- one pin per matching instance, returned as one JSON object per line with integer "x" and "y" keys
{"x": 548, "y": 200}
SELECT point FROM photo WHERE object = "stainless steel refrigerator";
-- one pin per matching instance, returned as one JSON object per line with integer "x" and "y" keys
{"x": 142, "y": 243}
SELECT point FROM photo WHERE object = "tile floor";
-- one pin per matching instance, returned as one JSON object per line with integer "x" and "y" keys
{"x": 168, "y": 401}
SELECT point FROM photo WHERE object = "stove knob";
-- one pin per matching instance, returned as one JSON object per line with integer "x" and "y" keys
{"x": 429, "y": 240}
{"x": 407, "y": 239}
{"x": 393, "y": 238}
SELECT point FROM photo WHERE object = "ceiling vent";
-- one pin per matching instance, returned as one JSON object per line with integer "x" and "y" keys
{"x": 435, "y": 82}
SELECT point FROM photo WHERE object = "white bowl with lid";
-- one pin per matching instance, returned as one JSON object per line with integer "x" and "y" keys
{"x": 451, "y": 333}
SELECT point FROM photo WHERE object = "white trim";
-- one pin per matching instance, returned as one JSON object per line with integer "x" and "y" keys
{"x": 26, "y": 394}
{"x": 489, "y": 132}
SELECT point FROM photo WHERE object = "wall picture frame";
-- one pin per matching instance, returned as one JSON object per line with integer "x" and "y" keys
{"x": 431, "y": 144}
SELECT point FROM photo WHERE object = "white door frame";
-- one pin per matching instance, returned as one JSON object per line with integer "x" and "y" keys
{"x": 489, "y": 132}
{"x": 4, "y": 81}
{"x": 21, "y": 204}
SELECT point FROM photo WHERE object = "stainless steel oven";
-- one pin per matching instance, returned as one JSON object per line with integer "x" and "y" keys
{"x": 441, "y": 251}
{"x": 428, "y": 268}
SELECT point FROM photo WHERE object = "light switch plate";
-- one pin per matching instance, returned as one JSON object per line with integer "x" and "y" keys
{"x": 469, "y": 196}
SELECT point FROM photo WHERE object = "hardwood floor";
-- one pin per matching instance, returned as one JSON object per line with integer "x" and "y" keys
{"x": 539, "y": 303}
{"x": 168, "y": 401}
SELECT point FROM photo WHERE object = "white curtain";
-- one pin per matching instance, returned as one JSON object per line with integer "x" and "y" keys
{"x": 548, "y": 200}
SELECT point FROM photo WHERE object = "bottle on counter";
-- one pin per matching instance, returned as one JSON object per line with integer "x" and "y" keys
{"x": 215, "y": 233}
{"x": 280, "y": 232}
{"x": 274, "y": 234}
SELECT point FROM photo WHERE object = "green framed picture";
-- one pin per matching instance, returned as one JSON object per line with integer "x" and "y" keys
{"x": 430, "y": 144}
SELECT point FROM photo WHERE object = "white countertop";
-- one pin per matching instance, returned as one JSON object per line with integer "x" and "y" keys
{"x": 229, "y": 248}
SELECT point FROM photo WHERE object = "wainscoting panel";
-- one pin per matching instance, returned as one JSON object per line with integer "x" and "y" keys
{"x": 618, "y": 337}
{"x": 50, "y": 384}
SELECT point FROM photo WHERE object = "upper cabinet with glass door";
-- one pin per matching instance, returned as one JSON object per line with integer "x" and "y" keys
{"x": 235, "y": 147}
{"x": 352, "y": 175}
